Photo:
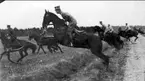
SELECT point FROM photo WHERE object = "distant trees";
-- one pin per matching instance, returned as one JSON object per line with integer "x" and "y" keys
{"x": 25, "y": 32}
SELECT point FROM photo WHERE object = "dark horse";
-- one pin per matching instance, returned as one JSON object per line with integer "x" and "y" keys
{"x": 128, "y": 34}
{"x": 12, "y": 47}
{"x": 50, "y": 42}
{"x": 139, "y": 30}
{"x": 113, "y": 39}
{"x": 100, "y": 31}
{"x": 80, "y": 40}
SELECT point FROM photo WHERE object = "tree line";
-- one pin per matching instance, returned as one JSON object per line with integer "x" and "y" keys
{"x": 25, "y": 32}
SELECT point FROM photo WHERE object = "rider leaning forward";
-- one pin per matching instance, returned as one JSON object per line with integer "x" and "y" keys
{"x": 127, "y": 28}
{"x": 72, "y": 23}
{"x": 108, "y": 29}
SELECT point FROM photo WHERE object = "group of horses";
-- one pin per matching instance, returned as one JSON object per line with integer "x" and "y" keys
{"x": 80, "y": 39}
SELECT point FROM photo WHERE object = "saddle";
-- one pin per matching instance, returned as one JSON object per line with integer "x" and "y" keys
{"x": 80, "y": 36}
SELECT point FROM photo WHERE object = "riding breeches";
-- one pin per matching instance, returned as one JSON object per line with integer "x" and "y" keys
{"x": 71, "y": 28}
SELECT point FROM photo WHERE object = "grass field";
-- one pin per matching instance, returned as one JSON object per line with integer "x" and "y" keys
{"x": 52, "y": 67}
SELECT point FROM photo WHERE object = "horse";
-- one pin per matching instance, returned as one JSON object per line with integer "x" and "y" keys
{"x": 13, "y": 47}
{"x": 80, "y": 40}
{"x": 139, "y": 30}
{"x": 128, "y": 34}
{"x": 113, "y": 39}
{"x": 49, "y": 41}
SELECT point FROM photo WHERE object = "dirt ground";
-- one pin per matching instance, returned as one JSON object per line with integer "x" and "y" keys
{"x": 126, "y": 64}
{"x": 135, "y": 65}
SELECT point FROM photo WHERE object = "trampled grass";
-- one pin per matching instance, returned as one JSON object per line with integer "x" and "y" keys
{"x": 75, "y": 64}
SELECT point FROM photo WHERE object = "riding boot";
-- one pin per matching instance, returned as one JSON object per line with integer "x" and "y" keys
{"x": 71, "y": 40}
{"x": 71, "y": 43}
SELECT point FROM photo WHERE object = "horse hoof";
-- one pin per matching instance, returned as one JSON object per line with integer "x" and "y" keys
{"x": 19, "y": 61}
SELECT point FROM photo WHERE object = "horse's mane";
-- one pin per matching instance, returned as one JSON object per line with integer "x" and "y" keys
{"x": 54, "y": 15}
{"x": 61, "y": 21}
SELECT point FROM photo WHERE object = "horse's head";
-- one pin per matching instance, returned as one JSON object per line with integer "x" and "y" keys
{"x": 47, "y": 18}
{"x": 51, "y": 17}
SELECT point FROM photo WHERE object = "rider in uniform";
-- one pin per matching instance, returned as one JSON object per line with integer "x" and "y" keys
{"x": 102, "y": 25}
{"x": 109, "y": 29}
{"x": 72, "y": 23}
{"x": 12, "y": 35}
{"x": 128, "y": 28}
{"x": 44, "y": 32}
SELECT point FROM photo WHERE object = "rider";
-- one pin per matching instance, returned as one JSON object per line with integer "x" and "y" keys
{"x": 102, "y": 25}
{"x": 110, "y": 29}
{"x": 72, "y": 23}
{"x": 128, "y": 28}
{"x": 12, "y": 35}
{"x": 43, "y": 32}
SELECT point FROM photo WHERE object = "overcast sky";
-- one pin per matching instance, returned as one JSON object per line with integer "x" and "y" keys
{"x": 28, "y": 14}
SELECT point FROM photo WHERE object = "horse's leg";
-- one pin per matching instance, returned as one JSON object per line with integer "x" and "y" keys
{"x": 34, "y": 50}
{"x": 102, "y": 56}
{"x": 130, "y": 40}
{"x": 117, "y": 45}
{"x": 2, "y": 55}
{"x": 121, "y": 43}
{"x": 42, "y": 49}
{"x": 38, "y": 49}
{"x": 22, "y": 56}
{"x": 136, "y": 38}
{"x": 8, "y": 55}
{"x": 26, "y": 53}
{"x": 59, "y": 48}
{"x": 49, "y": 48}
{"x": 54, "y": 48}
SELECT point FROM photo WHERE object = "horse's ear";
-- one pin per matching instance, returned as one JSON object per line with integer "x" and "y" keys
{"x": 46, "y": 11}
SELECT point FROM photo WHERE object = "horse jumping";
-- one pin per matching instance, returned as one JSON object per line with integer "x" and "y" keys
{"x": 80, "y": 40}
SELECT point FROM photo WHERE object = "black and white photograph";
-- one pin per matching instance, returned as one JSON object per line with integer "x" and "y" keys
{"x": 72, "y": 40}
